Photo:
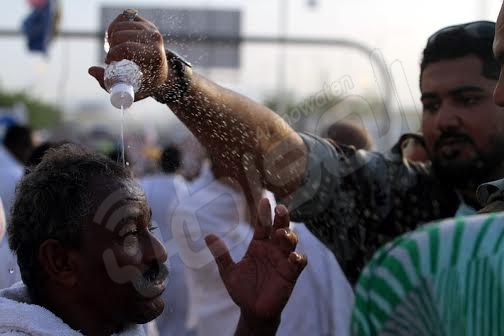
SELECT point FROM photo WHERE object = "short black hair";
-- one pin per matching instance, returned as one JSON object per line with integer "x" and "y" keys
{"x": 170, "y": 159}
{"x": 52, "y": 202}
{"x": 38, "y": 153}
{"x": 458, "y": 42}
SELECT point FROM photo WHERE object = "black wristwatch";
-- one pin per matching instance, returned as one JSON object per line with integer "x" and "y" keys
{"x": 181, "y": 69}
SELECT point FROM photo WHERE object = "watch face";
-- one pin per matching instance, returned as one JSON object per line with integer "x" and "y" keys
{"x": 181, "y": 59}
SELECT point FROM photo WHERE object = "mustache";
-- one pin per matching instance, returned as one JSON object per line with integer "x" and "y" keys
{"x": 450, "y": 135}
{"x": 156, "y": 272}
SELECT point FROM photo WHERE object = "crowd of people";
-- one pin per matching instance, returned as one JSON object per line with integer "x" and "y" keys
{"x": 285, "y": 233}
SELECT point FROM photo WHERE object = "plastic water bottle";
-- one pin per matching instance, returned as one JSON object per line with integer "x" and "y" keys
{"x": 122, "y": 81}
{"x": 122, "y": 78}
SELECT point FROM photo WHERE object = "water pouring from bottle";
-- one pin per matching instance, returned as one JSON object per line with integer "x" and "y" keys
{"x": 122, "y": 80}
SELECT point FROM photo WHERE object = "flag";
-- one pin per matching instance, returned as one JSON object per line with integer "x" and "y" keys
{"x": 40, "y": 26}
{"x": 37, "y": 3}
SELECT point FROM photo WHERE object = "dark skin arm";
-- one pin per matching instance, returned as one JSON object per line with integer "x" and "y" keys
{"x": 227, "y": 124}
{"x": 252, "y": 144}
{"x": 262, "y": 282}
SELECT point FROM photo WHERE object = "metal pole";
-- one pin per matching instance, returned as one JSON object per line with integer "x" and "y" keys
{"x": 300, "y": 41}
{"x": 282, "y": 58}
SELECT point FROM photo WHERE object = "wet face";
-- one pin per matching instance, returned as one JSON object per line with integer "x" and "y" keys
{"x": 122, "y": 272}
{"x": 463, "y": 128}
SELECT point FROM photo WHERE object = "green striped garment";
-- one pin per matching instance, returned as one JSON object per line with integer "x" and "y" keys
{"x": 446, "y": 278}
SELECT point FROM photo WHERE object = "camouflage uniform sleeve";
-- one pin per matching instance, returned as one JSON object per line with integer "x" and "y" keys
{"x": 354, "y": 201}
{"x": 339, "y": 178}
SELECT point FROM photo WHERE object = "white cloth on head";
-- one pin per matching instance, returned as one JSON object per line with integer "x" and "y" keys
{"x": 18, "y": 316}
{"x": 10, "y": 174}
{"x": 322, "y": 299}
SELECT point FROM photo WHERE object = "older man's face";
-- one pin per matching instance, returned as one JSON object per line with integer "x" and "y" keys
{"x": 123, "y": 273}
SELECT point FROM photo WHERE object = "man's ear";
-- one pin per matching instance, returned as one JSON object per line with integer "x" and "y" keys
{"x": 58, "y": 262}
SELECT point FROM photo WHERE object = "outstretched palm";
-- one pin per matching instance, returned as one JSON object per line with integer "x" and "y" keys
{"x": 261, "y": 283}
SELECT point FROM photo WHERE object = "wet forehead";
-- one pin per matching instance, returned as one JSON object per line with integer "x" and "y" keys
{"x": 123, "y": 189}
{"x": 117, "y": 199}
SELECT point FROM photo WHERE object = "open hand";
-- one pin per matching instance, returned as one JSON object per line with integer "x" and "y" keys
{"x": 262, "y": 282}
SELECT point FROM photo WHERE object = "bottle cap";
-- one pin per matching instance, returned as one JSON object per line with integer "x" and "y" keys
{"x": 122, "y": 95}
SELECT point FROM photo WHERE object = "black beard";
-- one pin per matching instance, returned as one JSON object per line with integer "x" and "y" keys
{"x": 470, "y": 174}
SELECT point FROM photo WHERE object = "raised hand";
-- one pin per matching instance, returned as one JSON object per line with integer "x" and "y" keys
{"x": 141, "y": 42}
{"x": 262, "y": 282}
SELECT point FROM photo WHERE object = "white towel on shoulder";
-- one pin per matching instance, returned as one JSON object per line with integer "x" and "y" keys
{"x": 19, "y": 317}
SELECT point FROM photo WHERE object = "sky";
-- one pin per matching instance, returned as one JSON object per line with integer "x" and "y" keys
{"x": 397, "y": 29}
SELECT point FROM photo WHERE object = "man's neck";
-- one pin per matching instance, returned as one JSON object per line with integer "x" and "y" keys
{"x": 79, "y": 317}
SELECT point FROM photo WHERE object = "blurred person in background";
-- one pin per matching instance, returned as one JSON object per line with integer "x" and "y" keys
{"x": 160, "y": 192}
{"x": 11, "y": 171}
{"x": 193, "y": 157}
{"x": 19, "y": 142}
{"x": 11, "y": 166}
{"x": 353, "y": 201}
{"x": 322, "y": 300}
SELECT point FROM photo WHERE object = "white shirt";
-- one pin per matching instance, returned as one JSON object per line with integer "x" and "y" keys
{"x": 11, "y": 171}
{"x": 160, "y": 192}
{"x": 322, "y": 299}
{"x": 10, "y": 174}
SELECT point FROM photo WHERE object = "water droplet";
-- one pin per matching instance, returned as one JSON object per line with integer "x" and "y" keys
{"x": 127, "y": 164}
{"x": 11, "y": 270}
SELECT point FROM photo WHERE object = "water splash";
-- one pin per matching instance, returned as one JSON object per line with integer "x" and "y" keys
{"x": 122, "y": 137}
